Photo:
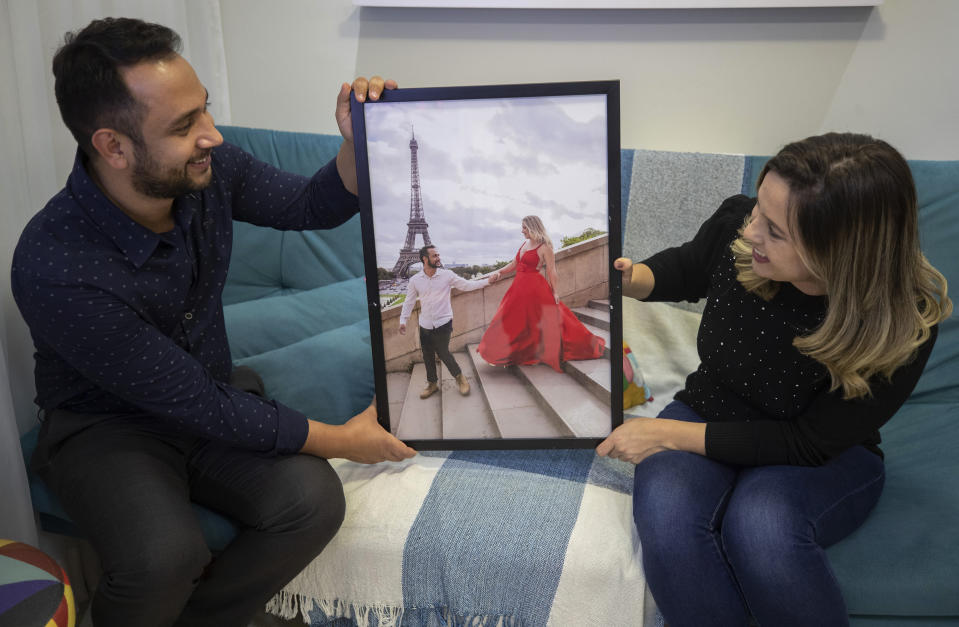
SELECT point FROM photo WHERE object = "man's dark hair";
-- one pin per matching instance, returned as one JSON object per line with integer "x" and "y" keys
{"x": 425, "y": 253}
{"x": 90, "y": 90}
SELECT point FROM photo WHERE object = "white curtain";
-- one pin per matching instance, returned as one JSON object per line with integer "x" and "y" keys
{"x": 16, "y": 517}
{"x": 36, "y": 155}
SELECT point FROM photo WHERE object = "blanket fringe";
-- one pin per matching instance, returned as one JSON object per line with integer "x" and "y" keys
{"x": 478, "y": 620}
{"x": 362, "y": 615}
{"x": 287, "y": 605}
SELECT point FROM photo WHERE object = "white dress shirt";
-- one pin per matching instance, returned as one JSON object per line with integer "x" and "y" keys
{"x": 433, "y": 293}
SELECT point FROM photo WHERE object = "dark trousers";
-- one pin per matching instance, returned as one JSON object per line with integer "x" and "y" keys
{"x": 437, "y": 342}
{"x": 128, "y": 487}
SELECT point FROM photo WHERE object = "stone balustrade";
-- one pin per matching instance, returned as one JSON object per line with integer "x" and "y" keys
{"x": 583, "y": 270}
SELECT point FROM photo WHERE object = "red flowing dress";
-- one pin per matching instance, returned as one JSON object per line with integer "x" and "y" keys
{"x": 529, "y": 327}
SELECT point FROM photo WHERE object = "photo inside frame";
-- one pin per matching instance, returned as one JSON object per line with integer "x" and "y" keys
{"x": 491, "y": 220}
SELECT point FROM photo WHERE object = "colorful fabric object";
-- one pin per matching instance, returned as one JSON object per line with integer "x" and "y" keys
{"x": 635, "y": 390}
{"x": 34, "y": 589}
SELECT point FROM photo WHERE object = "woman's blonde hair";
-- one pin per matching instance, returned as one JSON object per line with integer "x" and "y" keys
{"x": 537, "y": 232}
{"x": 854, "y": 213}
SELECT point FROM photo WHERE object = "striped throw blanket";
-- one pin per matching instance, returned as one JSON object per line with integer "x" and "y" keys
{"x": 479, "y": 538}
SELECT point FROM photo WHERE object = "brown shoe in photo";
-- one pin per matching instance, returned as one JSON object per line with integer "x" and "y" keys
{"x": 429, "y": 390}
{"x": 463, "y": 384}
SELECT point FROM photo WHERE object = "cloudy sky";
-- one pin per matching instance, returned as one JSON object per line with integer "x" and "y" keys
{"x": 484, "y": 164}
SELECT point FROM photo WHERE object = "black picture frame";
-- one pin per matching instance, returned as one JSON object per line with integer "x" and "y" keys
{"x": 472, "y": 161}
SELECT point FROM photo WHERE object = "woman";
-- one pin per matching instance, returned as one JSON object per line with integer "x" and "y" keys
{"x": 821, "y": 314}
{"x": 531, "y": 326}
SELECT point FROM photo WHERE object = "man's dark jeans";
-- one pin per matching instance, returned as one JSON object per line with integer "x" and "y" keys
{"x": 128, "y": 487}
{"x": 437, "y": 342}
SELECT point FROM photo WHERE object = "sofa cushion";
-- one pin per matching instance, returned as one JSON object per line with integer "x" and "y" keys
{"x": 904, "y": 559}
{"x": 312, "y": 347}
{"x": 288, "y": 316}
{"x": 938, "y": 185}
{"x": 299, "y": 153}
{"x": 328, "y": 376}
{"x": 265, "y": 260}
{"x": 314, "y": 258}
{"x": 252, "y": 274}
{"x": 295, "y": 302}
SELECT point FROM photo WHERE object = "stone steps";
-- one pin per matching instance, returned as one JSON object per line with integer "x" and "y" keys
{"x": 397, "y": 384}
{"x": 421, "y": 419}
{"x": 465, "y": 417}
{"x": 593, "y": 375}
{"x": 582, "y": 413}
{"x": 515, "y": 409}
{"x": 597, "y": 317}
{"x": 510, "y": 402}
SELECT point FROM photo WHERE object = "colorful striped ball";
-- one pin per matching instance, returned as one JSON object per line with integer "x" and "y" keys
{"x": 34, "y": 590}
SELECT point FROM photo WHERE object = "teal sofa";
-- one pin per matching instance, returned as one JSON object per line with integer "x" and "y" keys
{"x": 295, "y": 310}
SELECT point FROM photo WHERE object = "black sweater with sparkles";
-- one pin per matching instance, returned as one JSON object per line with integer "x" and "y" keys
{"x": 765, "y": 402}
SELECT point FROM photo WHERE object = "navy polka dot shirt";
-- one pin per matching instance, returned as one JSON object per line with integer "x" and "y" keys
{"x": 763, "y": 400}
{"x": 127, "y": 321}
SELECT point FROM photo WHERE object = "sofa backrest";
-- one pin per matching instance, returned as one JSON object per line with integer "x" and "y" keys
{"x": 937, "y": 183}
{"x": 665, "y": 196}
{"x": 267, "y": 262}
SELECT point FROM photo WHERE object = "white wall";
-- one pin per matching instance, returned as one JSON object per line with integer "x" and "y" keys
{"x": 902, "y": 82}
{"x": 287, "y": 59}
{"x": 724, "y": 80}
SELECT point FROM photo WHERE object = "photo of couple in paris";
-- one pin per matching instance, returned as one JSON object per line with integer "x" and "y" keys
{"x": 530, "y": 326}
{"x": 494, "y": 307}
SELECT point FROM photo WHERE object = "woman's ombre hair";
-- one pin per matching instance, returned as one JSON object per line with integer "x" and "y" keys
{"x": 537, "y": 232}
{"x": 854, "y": 215}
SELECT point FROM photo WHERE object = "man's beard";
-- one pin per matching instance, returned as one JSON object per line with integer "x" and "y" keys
{"x": 439, "y": 264}
{"x": 149, "y": 180}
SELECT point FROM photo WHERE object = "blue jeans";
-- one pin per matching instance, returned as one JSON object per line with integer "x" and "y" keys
{"x": 721, "y": 543}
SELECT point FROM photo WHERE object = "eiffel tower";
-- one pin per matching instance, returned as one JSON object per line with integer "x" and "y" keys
{"x": 409, "y": 254}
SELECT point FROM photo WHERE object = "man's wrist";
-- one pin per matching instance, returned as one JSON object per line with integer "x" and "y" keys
{"x": 346, "y": 166}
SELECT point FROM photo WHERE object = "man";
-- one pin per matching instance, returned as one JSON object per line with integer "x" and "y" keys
{"x": 432, "y": 286}
{"x": 119, "y": 278}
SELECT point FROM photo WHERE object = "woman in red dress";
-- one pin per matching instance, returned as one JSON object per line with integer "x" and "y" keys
{"x": 531, "y": 326}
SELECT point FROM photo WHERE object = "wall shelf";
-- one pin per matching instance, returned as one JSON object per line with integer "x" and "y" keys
{"x": 614, "y": 4}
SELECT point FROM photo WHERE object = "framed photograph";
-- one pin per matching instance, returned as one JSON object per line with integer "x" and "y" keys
{"x": 491, "y": 218}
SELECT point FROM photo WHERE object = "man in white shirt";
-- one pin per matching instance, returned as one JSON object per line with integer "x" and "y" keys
{"x": 432, "y": 286}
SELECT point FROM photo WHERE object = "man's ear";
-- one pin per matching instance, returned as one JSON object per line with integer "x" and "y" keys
{"x": 112, "y": 147}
